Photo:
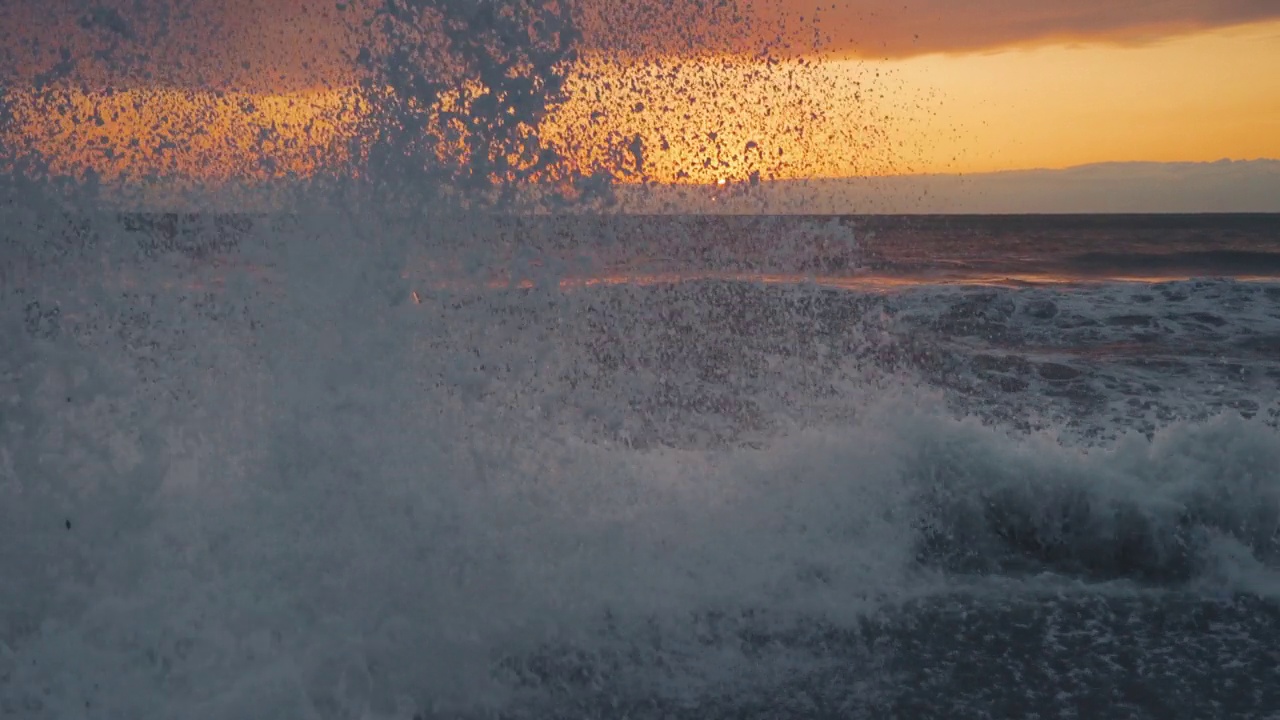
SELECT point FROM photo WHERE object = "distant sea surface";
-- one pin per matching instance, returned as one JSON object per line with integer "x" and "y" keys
{"x": 925, "y": 248}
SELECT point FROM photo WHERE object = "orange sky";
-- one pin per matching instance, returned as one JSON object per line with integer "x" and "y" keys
{"x": 932, "y": 88}
{"x": 1199, "y": 97}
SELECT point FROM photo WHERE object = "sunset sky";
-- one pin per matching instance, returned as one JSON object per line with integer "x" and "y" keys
{"x": 885, "y": 87}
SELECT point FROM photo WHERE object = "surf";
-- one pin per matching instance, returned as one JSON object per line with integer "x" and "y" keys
{"x": 374, "y": 454}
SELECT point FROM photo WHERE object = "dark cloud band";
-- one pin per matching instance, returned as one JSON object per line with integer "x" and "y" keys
{"x": 894, "y": 28}
{"x": 272, "y": 45}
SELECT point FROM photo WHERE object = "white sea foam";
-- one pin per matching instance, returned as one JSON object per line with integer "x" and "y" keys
{"x": 287, "y": 502}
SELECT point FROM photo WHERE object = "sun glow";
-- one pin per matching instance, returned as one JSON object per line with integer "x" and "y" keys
{"x": 720, "y": 122}
{"x": 695, "y": 122}
{"x": 1193, "y": 98}
{"x": 199, "y": 135}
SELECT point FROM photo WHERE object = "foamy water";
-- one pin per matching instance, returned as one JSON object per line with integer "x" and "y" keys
{"x": 409, "y": 450}
{"x": 313, "y": 497}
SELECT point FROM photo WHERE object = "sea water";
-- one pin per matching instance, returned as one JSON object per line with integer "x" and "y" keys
{"x": 344, "y": 461}
{"x": 255, "y": 481}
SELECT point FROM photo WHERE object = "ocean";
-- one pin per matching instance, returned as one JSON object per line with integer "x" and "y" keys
{"x": 336, "y": 465}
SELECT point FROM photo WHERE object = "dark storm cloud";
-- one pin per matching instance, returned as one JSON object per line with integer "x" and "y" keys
{"x": 259, "y": 45}
{"x": 290, "y": 44}
{"x": 898, "y": 28}
{"x": 890, "y": 27}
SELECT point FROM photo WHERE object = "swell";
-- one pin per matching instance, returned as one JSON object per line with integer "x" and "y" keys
{"x": 1190, "y": 262}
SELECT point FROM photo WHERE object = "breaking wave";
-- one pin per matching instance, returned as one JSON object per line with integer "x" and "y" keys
{"x": 310, "y": 496}
{"x": 366, "y": 455}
